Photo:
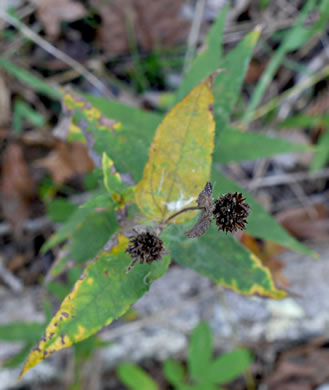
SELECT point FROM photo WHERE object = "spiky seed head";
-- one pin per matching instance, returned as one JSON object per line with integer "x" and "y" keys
{"x": 144, "y": 248}
{"x": 230, "y": 212}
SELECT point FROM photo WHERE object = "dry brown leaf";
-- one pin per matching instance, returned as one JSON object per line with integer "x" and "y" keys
{"x": 310, "y": 223}
{"x": 52, "y": 13}
{"x": 17, "y": 187}
{"x": 66, "y": 161}
{"x": 255, "y": 71}
{"x": 267, "y": 252}
{"x": 154, "y": 24}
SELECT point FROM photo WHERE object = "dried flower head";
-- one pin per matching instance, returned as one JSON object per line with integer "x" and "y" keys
{"x": 204, "y": 201}
{"x": 230, "y": 212}
{"x": 145, "y": 248}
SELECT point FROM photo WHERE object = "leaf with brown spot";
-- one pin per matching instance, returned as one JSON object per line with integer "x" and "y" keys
{"x": 97, "y": 299}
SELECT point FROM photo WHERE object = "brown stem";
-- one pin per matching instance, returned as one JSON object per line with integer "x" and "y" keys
{"x": 181, "y": 212}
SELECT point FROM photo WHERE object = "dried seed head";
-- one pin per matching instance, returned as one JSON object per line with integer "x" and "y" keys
{"x": 230, "y": 212}
{"x": 145, "y": 248}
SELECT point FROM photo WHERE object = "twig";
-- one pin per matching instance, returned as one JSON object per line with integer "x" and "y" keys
{"x": 284, "y": 179}
{"x": 291, "y": 203}
{"x": 192, "y": 39}
{"x": 39, "y": 224}
{"x": 7, "y": 277}
{"x": 31, "y": 225}
{"x": 48, "y": 47}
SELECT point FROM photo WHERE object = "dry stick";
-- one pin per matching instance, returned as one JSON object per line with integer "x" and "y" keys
{"x": 285, "y": 179}
{"x": 7, "y": 277}
{"x": 48, "y": 47}
{"x": 192, "y": 39}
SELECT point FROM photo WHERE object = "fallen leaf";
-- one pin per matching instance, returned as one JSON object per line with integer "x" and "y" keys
{"x": 154, "y": 24}
{"x": 66, "y": 161}
{"x": 267, "y": 252}
{"x": 17, "y": 187}
{"x": 255, "y": 71}
{"x": 51, "y": 14}
{"x": 307, "y": 223}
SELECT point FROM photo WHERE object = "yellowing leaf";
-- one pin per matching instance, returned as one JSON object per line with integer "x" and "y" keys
{"x": 222, "y": 259}
{"x": 104, "y": 292}
{"x": 180, "y": 157}
{"x": 112, "y": 179}
{"x": 73, "y": 102}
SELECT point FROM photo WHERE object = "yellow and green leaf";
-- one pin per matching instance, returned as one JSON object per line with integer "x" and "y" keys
{"x": 88, "y": 230}
{"x": 121, "y": 194}
{"x": 72, "y": 102}
{"x": 180, "y": 157}
{"x": 222, "y": 259}
{"x": 104, "y": 292}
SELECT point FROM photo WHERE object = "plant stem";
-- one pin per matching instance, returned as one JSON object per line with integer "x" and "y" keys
{"x": 181, "y": 212}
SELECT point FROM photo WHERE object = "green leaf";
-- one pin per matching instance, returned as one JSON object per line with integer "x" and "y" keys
{"x": 67, "y": 228}
{"x": 235, "y": 145}
{"x": 60, "y": 209}
{"x": 301, "y": 35}
{"x": 228, "y": 366}
{"x": 135, "y": 378}
{"x": 321, "y": 155}
{"x": 207, "y": 61}
{"x": 24, "y": 111}
{"x": 96, "y": 214}
{"x": 180, "y": 157}
{"x": 174, "y": 372}
{"x": 101, "y": 201}
{"x": 260, "y": 223}
{"x": 222, "y": 259}
{"x": 89, "y": 228}
{"x": 29, "y": 79}
{"x": 104, "y": 292}
{"x": 58, "y": 290}
{"x": 199, "y": 350}
{"x": 92, "y": 235}
{"x": 126, "y": 145}
{"x": 21, "y": 331}
{"x": 305, "y": 121}
{"x": 228, "y": 84}
{"x": 289, "y": 43}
